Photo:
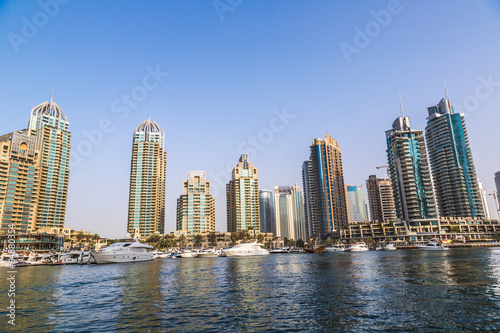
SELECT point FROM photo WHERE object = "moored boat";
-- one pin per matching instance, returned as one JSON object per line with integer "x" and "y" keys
{"x": 246, "y": 249}
{"x": 358, "y": 247}
{"x": 128, "y": 251}
{"x": 433, "y": 246}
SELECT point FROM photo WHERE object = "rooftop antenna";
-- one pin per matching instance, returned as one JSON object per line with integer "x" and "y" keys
{"x": 52, "y": 96}
{"x": 401, "y": 105}
{"x": 445, "y": 89}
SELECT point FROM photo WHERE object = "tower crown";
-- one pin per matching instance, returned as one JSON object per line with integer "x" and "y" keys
{"x": 149, "y": 126}
{"x": 50, "y": 109}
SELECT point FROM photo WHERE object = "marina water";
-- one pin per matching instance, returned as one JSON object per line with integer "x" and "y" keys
{"x": 404, "y": 290}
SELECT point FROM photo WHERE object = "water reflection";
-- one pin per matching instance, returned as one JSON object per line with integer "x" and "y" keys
{"x": 457, "y": 290}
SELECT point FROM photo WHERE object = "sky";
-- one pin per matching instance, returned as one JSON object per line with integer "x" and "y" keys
{"x": 227, "y": 77}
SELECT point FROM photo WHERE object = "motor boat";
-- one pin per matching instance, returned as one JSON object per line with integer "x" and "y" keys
{"x": 379, "y": 247}
{"x": 358, "y": 247}
{"x": 246, "y": 249}
{"x": 433, "y": 246}
{"x": 40, "y": 258}
{"x": 389, "y": 247}
{"x": 189, "y": 254}
{"x": 279, "y": 250}
{"x": 159, "y": 254}
{"x": 336, "y": 248}
{"x": 208, "y": 253}
{"x": 127, "y": 251}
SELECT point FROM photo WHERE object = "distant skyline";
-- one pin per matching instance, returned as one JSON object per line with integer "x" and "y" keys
{"x": 262, "y": 78}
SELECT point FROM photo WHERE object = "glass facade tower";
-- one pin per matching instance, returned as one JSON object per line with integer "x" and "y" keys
{"x": 409, "y": 170}
{"x": 450, "y": 157}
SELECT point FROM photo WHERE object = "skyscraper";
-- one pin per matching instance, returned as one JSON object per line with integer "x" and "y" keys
{"x": 267, "y": 218}
{"x": 356, "y": 204}
{"x": 497, "y": 183}
{"x": 484, "y": 199}
{"x": 409, "y": 170}
{"x": 242, "y": 193}
{"x": 19, "y": 180}
{"x": 450, "y": 157}
{"x": 146, "y": 208}
{"x": 381, "y": 199}
{"x": 196, "y": 206}
{"x": 325, "y": 200}
{"x": 289, "y": 210}
{"x": 49, "y": 125}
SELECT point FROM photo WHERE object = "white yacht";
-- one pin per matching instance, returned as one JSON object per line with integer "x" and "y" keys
{"x": 389, "y": 247}
{"x": 433, "y": 246}
{"x": 189, "y": 254}
{"x": 336, "y": 248}
{"x": 128, "y": 251}
{"x": 358, "y": 247}
{"x": 208, "y": 253}
{"x": 246, "y": 249}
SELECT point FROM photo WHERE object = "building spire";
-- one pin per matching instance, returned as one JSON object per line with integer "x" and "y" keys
{"x": 401, "y": 105}
{"x": 445, "y": 89}
{"x": 52, "y": 96}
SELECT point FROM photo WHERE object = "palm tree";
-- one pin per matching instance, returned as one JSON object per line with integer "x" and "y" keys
{"x": 212, "y": 239}
{"x": 260, "y": 238}
{"x": 79, "y": 237}
{"x": 95, "y": 237}
{"x": 234, "y": 238}
{"x": 153, "y": 239}
{"x": 182, "y": 240}
{"x": 198, "y": 240}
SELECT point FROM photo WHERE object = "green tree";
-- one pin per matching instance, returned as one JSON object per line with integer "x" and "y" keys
{"x": 95, "y": 237}
{"x": 260, "y": 238}
{"x": 329, "y": 241}
{"x": 212, "y": 239}
{"x": 198, "y": 240}
{"x": 234, "y": 238}
{"x": 300, "y": 243}
{"x": 290, "y": 242}
{"x": 79, "y": 237}
{"x": 182, "y": 240}
{"x": 153, "y": 239}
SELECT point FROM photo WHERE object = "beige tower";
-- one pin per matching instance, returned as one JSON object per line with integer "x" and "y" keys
{"x": 19, "y": 179}
{"x": 146, "y": 209}
{"x": 196, "y": 206}
{"x": 242, "y": 194}
{"x": 381, "y": 199}
{"x": 49, "y": 125}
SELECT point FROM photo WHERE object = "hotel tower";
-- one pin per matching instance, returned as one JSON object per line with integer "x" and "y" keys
{"x": 242, "y": 197}
{"x": 325, "y": 206}
{"x": 146, "y": 208}
{"x": 450, "y": 157}
{"x": 196, "y": 206}
{"x": 381, "y": 199}
{"x": 409, "y": 170}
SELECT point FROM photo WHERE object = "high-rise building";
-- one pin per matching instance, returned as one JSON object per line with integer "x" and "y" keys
{"x": 146, "y": 208}
{"x": 267, "y": 218}
{"x": 196, "y": 206}
{"x": 381, "y": 199}
{"x": 450, "y": 157}
{"x": 409, "y": 170}
{"x": 325, "y": 200}
{"x": 242, "y": 197}
{"x": 19, "y": 180}
{"x": 497, "y": 183}
{"x": 289, "y": 210}
{"x": 356, "y": 204}
{"x": 49, "y": 125}
{"x": 484, "y": 199}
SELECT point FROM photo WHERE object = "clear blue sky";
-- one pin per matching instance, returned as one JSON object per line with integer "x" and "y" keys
{"x": 226, "y": 76}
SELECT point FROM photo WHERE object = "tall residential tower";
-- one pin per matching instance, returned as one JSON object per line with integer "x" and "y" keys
{"x": 196, "y": 206}
{"x": 325, "y": 206}
{"x": 242, "y": 197}
{"x": 450, "y": 157}
{"x": 409, "y": 170}
{"x": 49, "y": 125}
{"x": 381, "y": 199}
{"x": 289, "y": 211}
{"x": 146, "y": 208}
